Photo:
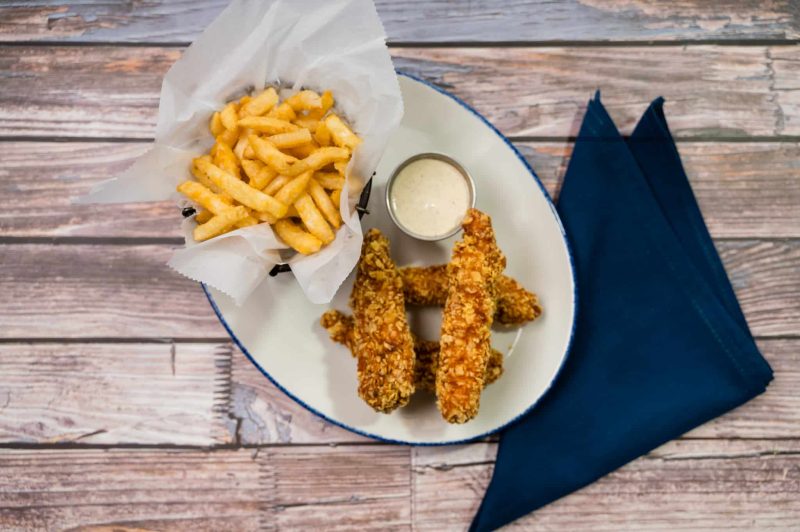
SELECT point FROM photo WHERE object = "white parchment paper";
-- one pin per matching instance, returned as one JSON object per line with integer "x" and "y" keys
{"x": 338, "y": 45}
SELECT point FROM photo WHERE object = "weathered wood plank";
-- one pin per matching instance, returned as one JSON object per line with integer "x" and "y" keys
{"x": 424, "y": 21}
{"x": 259, "y": 413}
{"x": 276, "y": 489}
{"x": 684, "y": 485}
{"x": 711, "y": 91}
{"x": 97, "y": 291}
{"x": 744, "y": 189}
{"x": 128, "y": 394}
{"x": 114, "y": 393}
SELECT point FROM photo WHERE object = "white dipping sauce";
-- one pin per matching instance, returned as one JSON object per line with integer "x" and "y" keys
{"x": 430, "y": 197}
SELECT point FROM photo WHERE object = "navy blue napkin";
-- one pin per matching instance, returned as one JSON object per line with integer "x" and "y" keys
{"x": 661, "y": 345}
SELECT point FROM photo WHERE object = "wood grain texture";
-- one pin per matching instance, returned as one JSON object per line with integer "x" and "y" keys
{"x": 744, "y": 189}
{"x": 711, "y": 91}
{"x": 261, "y": 414}
{"x": 345, "y": 488}
{"x": 424, "y": 21}
{"x": 684, "y": 485}
{"x": 114, "y": 393}
{"x": 129, "y": 394}
{"x": 96, "y": 291}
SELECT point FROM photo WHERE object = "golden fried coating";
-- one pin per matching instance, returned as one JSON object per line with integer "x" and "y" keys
{"x": 427, "y": 286}
{"x": 382, "y": 340}
{"x": 340, "y": 328}
{"x": 473, "y": 270}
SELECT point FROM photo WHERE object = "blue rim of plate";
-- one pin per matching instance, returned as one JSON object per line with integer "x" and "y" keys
{"x": 471, "y": 438}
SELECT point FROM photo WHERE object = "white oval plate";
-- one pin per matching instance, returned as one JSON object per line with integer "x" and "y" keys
{"x": 278, "y": 329}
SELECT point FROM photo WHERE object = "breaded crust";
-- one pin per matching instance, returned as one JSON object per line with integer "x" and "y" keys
{"x": 382, "y": 340}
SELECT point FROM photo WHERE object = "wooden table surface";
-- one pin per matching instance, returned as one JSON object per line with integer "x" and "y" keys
{"x": 124, "y": 404}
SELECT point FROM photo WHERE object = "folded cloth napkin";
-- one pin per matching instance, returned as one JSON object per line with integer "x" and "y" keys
{"x": 661, "y": 345}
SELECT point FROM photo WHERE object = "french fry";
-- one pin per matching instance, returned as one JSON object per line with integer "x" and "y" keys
{"x": 261, "y": 104}
{"x": 229, "y": 116}
{"x": 320, "y": 158}
{"x": 219, "y": 223}
{"x": 313, "y": 219}
{"x": 204, "y": 180}
{"x": 271, "y": 156}
{"x": 283, "y": 111}
{"x": 340, "y": 133}
{"x": 330, "y": 180}
{"x": 291, "y": 139}
{"x": 302, "y": 151}
{"x": 327, "y": 102}
{"x": 275, "y": 185}
{"x": 228, "y": 137}
{"x": 242, "y": 192}
{"x": 336, "y": 197}
{"x": 265, "y": 217}
{"x": 323, "y": 201}
{"x": 215, "y": 124}
{"x": 213, "y": 203}
{"x": 292, "y": 212}
{"x": 304, "y": 100}
{"x": 242, "y": 144}
{"x": 293, "y": 189}
{"x": 203, "y": 216}
{"x": 306, "y": 123}
{"x": 341, "y": 167}
{"x": 260, "y": 174}
{"x": 323, "y": 135}
{"x": 268, "y": 125}
{"x": 244, "y": 100}
{"x": 293, "y": 235}
{"x": 227, "y": 160}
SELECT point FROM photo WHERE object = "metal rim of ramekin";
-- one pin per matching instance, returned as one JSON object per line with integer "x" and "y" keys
{"x": 428, "y": 155}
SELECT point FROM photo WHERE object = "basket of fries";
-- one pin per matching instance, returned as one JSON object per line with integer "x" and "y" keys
{"x": 269, "y": 130}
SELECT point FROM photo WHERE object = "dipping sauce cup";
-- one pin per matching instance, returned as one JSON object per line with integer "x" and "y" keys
{"x": 428, "y": 196}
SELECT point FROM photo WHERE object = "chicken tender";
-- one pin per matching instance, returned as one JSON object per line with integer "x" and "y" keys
{"x": 427, "y": 286}
{"x": 340, "y": 327}
{"x": 382, "y": 340}
{"x": 469, "y": 310}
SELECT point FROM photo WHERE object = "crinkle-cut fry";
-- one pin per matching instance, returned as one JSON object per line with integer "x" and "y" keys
{"x": 475, "y": 264}
{"x": 283, "y": 111}
{"x": 268, "y": 125}
{"x": 382, "y": 339}
{"x": 304, "y": 100}
{"x": 427, "y": 286}
{"x": 272, "y": 156}
{"x": 296, "y": 237}
{"x": 292, "y": 190}
{"x": 225, "y": 158}
{"x": 291, "y": 139}
{"x": 215, "y": 125}
{"x": 230, "y": 116}
{"x": 313, "y": 219}
{"x": 220, "y": 223}
{"x": 340, "y": 328}
{"x": 330, "y": 180}
{"x": 319, "y": 159}
{"x": 242, "y": 192}
{"x": 210, "y": 201}
{"x": 341, "y": 134}
{"x": 323, "y": 201}
{"x": 261, "y": 104}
